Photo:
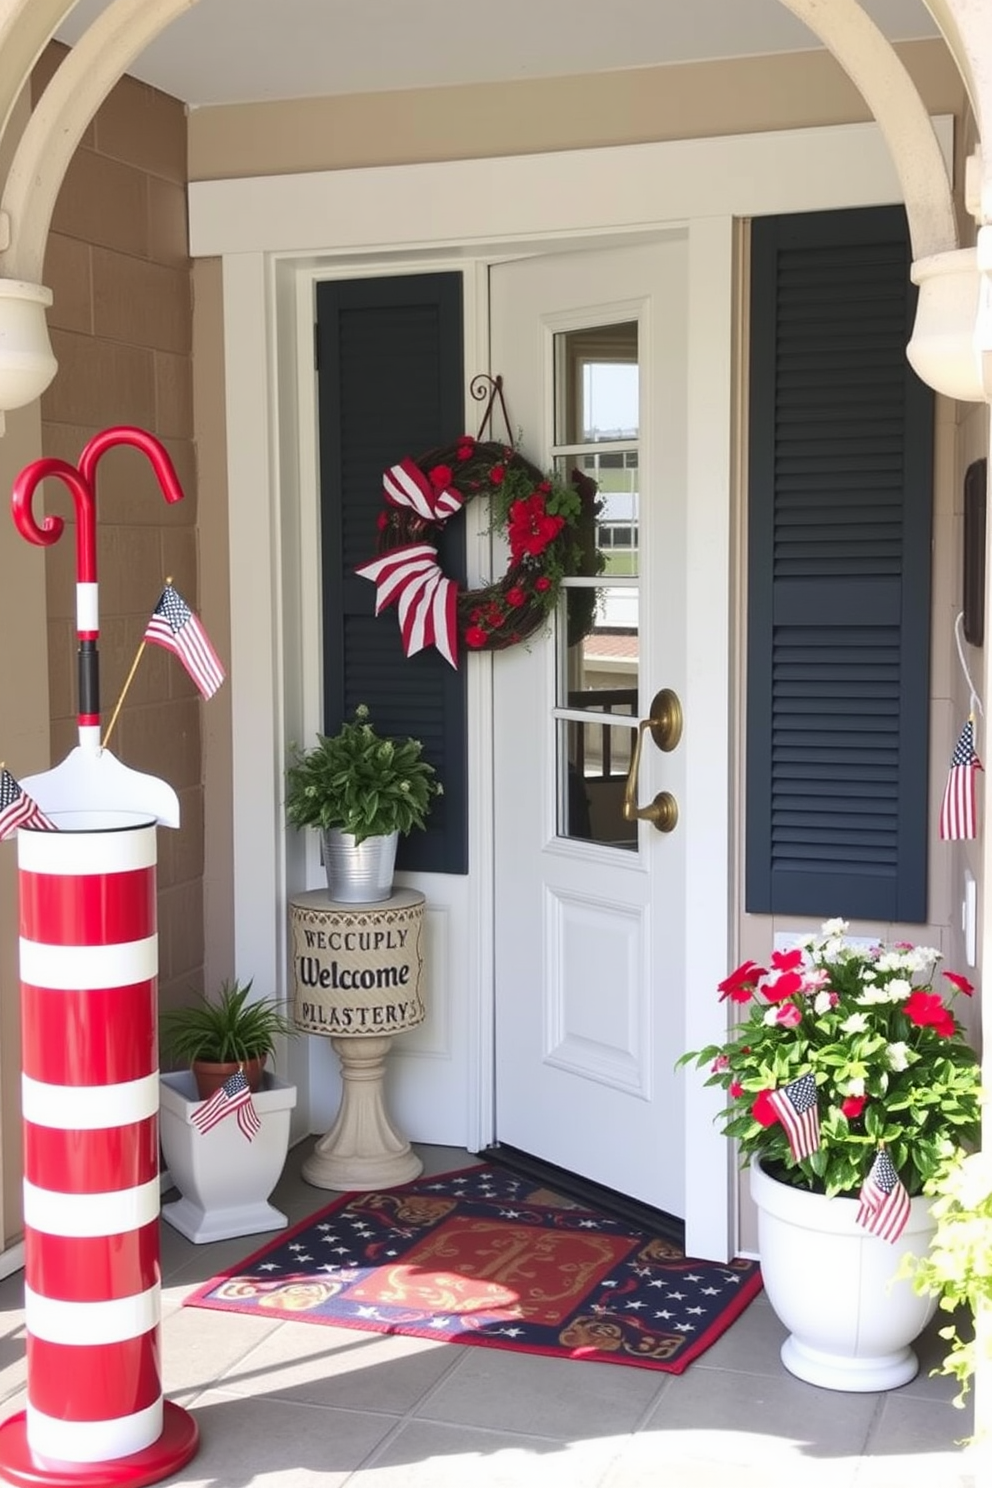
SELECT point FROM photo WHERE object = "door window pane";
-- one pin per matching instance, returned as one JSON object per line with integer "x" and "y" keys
{"x": 599, "y": 652}
{"x": 597, "y": 385}
{"x": 596, "y": 758}
{"x": 597, "y": 423}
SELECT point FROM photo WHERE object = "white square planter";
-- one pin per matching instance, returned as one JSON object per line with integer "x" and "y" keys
{"x": 224, "y": 1179}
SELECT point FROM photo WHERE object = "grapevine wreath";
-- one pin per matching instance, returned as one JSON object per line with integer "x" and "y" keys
{"x": 549, "y": 525}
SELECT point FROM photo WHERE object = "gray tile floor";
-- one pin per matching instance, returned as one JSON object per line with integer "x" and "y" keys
{"x": 298, "y": 1405}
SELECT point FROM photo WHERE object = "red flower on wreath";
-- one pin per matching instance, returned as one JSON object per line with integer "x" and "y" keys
{"x": 531, "y": 527}
{"x": 421, "y": 495}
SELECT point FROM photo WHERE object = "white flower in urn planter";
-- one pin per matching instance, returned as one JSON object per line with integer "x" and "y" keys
{"x": 849, "y": 1083}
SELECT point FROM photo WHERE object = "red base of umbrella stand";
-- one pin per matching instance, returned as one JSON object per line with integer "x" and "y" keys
{"x": 174, "y": 1448}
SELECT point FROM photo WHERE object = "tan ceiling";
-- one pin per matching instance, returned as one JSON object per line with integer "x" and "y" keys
{"x": 236, "y": 51}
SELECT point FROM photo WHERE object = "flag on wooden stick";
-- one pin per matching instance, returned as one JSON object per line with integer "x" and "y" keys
{"x": 233, "y": 1098}
{"x": 174, "y": 626}
{"x": 885, "y": 1205}
{"x": 958, "y": 813}
{"x": 798, "y": 1110}
{"x": 18, "y": 809}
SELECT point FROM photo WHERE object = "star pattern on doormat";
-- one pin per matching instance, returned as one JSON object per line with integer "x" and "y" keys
{"x": 484, "y": 1257}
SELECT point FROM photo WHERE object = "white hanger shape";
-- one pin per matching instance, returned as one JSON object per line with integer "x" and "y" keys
{"x": 974, "y": 701}
{"x": 91, "y": 778}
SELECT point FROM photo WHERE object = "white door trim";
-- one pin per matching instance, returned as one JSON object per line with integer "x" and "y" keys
{"x": 275, "y": 232}
{"x": 520, "y": 199}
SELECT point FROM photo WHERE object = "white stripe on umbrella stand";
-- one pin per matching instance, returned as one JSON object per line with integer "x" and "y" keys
{"x": 89, "y": 1107}
{"x": 73, "y": 854}
{"x": 90, "y": 1215}
{"x": 87, "y": 607}
{"x": 114, "y": 1321}
{"x": 80, "y": 968}
{"x": 95, "y": 1441}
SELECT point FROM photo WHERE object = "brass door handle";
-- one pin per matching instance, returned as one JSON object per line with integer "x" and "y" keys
{"x": 665, "y": 724}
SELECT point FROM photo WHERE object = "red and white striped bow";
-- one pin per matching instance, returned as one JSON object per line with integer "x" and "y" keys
{"x": 410, "y": 577}
{"x": 406, "y": 484}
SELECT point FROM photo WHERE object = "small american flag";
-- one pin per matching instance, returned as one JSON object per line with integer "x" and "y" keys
{"x": 958, "y": 816}
{"x": 233, "y": 1096}
{"x": 884, "y": 1206}
{"x": 174, "y": 626}
{"x": 797, "y": 1109}
{"x": 18, "y": 809}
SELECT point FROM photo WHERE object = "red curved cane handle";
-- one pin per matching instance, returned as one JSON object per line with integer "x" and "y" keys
{"x": 162, "y": 465}
{"x": 50, "y": 529}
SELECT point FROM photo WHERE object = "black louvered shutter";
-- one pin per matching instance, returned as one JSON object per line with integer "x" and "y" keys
{"x": 840, "y": 495}
{"x": 390, "y": 385}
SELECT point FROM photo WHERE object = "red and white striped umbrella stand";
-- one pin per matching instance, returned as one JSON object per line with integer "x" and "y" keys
{"x": 90, "y": 1090}
{"x": 89, "y": 968}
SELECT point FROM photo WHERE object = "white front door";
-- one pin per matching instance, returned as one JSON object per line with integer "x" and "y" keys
{"x": 590, "y": 907}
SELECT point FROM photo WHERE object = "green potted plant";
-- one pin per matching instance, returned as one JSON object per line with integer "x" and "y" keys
{"x": 360, "y": 790}
{"x": 216, "y": 1036}
{"x": 850, "y": 1082}
{"x": 224, "y": 1145}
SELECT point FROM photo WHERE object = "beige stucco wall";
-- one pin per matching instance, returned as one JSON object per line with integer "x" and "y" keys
{"x": 650, "y": 103}
{"x": 121, "y": 328}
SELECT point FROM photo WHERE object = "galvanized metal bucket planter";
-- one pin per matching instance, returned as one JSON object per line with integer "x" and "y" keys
{"x": 358, "y": 873}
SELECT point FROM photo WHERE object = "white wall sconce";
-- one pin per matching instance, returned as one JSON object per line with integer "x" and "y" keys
{"x": 951, "y": 344}
{"x": 27, "y": 363}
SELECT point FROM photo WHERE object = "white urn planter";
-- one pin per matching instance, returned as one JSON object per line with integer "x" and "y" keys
{"x": 225, "y": 1180}
{"x": 832, "y": 1285}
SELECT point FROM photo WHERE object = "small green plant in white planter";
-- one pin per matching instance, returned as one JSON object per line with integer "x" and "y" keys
{"x": 216, "y": 1036}
{"x": 225, "y": 1167}
{"x": 360, "y": 790}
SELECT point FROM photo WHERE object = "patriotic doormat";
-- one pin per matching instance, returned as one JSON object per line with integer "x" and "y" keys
{"x": 484, "y": 1257}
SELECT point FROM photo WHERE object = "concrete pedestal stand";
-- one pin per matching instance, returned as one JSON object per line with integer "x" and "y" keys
{"x": 357, "y": 973}
{"x": 89, "y": 965}
{"x": 362, "y": 1150}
